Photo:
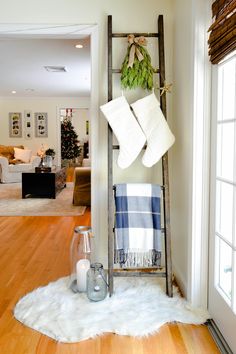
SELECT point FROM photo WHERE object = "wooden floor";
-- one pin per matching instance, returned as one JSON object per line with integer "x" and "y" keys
{"x": 35, "y": 251}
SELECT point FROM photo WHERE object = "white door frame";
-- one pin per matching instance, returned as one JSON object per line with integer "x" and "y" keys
{"x": 198, "y": 245}
{"x": 68, "y": 31}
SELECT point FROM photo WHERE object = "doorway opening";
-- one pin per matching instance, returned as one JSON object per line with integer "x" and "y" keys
{"x": 42, "y": 32}
{"x": 80, "y": 140}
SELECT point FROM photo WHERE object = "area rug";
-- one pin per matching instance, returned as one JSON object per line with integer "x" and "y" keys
{"x": 139, "y": 307}
{"x": 11, "y": 203}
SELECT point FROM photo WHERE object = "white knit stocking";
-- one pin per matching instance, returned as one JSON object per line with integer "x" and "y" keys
{"x": 126, "y": 129}
{"x": 158, "y": 134}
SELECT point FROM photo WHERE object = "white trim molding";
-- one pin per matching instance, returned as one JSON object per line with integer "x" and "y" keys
{"x": 198, "y": 245}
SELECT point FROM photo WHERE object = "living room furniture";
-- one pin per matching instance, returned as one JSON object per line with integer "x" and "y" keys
{"x": 13, "y": 173}
{"x": 10, "y": 168}
{"x": 43, "y": 184}
{"x": 82, "y": 186}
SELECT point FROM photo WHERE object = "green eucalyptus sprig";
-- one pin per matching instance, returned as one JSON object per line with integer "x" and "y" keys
{"x": 140, "y": 73}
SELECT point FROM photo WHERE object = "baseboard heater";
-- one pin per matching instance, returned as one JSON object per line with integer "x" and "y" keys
{"x": 218, "y": 337}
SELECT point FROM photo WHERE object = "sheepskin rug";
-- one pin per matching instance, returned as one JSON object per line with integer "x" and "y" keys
{"x": 139, "y": 307}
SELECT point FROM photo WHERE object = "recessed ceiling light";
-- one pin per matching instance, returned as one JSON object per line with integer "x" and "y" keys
{"x": 29, "y": 90}
{"x": 13, "y": 91}
{"x": 79, "y": 46}
{"x": 55, "y": 69}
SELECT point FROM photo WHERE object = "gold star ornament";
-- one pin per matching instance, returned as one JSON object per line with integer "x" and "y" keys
{"x": 165, "y": 88}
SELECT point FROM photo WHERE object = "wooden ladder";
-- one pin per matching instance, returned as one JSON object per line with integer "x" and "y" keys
{"x": 165, "y": 176}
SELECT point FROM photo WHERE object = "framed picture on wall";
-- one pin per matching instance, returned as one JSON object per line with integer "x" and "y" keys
{"x": 15, "y": 125}
{"x": 41, "y": 124}
{"x": 28, "y": 124}
{"x": 87, "y": 127}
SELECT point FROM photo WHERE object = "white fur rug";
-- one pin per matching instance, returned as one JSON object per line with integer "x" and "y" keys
{"x": 139, "y": 307}
{"x": 12, "y": 204}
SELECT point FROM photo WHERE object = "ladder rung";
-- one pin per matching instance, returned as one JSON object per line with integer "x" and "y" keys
{"x": 118, "y": 71}
{"x": 116, "y": 147}
{"x": 162, "y": 187}
{"x": 128, "y": 273}
{"x": 122, "y": 35}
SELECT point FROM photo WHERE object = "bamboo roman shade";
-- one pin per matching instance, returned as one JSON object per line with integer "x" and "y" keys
{"x": 222, "y": 39}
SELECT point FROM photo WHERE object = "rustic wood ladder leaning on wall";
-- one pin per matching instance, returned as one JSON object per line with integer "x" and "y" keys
{"x": 165, "y": 176}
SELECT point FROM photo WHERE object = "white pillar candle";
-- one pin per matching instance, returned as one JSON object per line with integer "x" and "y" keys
{"x": 82, "y": 267}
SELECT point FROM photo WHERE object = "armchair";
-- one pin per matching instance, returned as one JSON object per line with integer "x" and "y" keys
{"x": 82, "y": 186}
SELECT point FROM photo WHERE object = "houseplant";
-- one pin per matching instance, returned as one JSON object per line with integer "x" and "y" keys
{"x": 50, "y": 152}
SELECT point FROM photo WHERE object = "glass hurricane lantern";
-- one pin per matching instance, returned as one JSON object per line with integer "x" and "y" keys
{"x": 80, "y": 254}
{"x": 96, "y": 282}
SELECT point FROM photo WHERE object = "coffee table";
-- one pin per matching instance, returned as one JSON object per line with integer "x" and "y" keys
{"x": 43, "y": 184}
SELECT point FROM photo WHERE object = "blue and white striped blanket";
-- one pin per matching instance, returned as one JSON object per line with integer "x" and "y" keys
{"x": 137, "y": 225}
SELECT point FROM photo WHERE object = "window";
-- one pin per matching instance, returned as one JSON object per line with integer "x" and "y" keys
{"x": 225, "y": 214}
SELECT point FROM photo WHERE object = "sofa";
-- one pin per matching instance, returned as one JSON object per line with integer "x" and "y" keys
{"x": 13, "y": 161}
{"x": 82, "y": 186}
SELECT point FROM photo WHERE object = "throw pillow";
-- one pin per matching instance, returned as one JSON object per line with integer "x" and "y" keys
{"x": 7, "y": 155}
{"x": 22, "y": 154}
{"x": 8, "y": 151}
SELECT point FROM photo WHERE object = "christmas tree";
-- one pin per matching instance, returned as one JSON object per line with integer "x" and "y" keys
{"x": 69, "y": 141}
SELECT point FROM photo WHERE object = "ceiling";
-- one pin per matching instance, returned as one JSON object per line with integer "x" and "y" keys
{"x": 23, "y": 61}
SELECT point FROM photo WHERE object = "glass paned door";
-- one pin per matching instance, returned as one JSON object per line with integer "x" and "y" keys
{"x": 222, "y": 260}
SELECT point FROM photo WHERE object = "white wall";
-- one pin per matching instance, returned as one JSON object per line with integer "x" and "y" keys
{"x": 50, "y": 105}
{"x": 182, "y": 149}
{"x": 128, "y": 16}
{"x": 79, "y": 118}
